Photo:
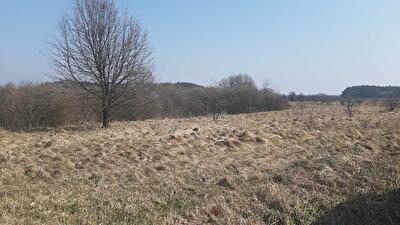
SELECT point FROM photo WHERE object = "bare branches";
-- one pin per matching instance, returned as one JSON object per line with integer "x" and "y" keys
{"x": 218, "y": 100}
{"x": 392, "y": 101}
{"x": 238, "y": 81}
{"x": 101, "y": 51}
{"x": 350, "y": 104}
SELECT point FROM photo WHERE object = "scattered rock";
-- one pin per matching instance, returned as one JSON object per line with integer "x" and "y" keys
{"x": 196, "y": 129}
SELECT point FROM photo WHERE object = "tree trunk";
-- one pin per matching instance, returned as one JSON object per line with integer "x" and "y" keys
{"x": 106, "y": 119}
{"x": 106, "y": 114}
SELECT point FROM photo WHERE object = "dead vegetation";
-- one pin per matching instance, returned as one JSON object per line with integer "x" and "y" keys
{"x": 310, "y": 164}
{"x": 28, "y": 106}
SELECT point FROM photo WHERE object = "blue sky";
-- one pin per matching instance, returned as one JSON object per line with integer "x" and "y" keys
{"x": 308, "y": 46}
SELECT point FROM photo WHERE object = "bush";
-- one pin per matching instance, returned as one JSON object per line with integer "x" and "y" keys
{"x": 244, "y": 97}
{"x": 392, "y": 101}
{"x": 30, "y": 106}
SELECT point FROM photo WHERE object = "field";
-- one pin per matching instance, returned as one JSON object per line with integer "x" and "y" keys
{"x": 309, "y": 164}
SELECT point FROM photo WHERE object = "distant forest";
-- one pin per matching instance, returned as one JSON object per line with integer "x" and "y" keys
{"x": 356, "y": 92}
{"x": 367, "y": 91}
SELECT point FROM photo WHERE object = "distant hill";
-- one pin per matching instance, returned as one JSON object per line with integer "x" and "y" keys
{"x": 182, "y": 85}
{"x": 369, "y": 91}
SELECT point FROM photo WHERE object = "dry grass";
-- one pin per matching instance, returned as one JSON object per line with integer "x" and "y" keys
{"x": 309, "y": 164}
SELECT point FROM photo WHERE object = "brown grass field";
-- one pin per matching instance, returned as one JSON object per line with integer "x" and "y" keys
{"x": 309, "y": 164}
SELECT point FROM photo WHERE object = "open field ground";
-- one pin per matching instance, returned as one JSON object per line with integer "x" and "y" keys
{"x": 308, "y": 164}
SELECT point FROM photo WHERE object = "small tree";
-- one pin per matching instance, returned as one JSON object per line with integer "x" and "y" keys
{"x": 101, "y": 51}
{"x": 292, "y": 96}
{"x": 242, "y": 92}
{"x": 350, "y": 104}
{"x": 218, "y": 100}
{"x": 392, "y": 101}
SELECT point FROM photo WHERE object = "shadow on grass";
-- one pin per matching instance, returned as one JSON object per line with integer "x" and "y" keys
{"x": 371, "y": 209}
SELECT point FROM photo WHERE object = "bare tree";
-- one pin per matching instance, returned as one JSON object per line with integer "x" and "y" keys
{"x": 240, "y": 80}
{"x": 102, "y": 51}
{"x": 392, "y": 101}
{"x": 217, "y": 101}
{"x": 350, "y": 104}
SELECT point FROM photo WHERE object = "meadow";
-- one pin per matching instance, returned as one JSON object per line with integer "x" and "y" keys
{"x": 309, "y": 164}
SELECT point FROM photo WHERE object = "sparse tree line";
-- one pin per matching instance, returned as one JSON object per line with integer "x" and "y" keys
{"x": 389, "y": 94}
{"x": 53, "y": 104}
{"x": 29, "y": 106}
{"x": 354, "y": 96}
{"x": 241, "y": 96}
{"x": 371, "y": 92}
{"x": 323, "y": 98}
{"x": 389, "y": 97}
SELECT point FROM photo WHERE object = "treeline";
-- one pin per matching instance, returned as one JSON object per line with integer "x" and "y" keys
{"x": 354, "y": 92}
{"x": 313, "y": 98}
{"x": 366, "y": 91}
{"x": 28, "y": 106}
